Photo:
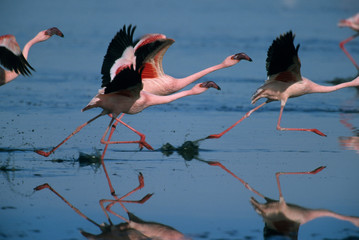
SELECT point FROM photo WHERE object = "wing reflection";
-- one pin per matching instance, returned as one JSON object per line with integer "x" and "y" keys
{"x": 283, "y": 219}
{"x": 133, "y": 228}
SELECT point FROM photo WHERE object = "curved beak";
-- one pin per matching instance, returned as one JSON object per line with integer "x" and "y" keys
{"x": 210, "y": 84}
{"x": 241, "y": 56}
{"x": 54, "y": 31}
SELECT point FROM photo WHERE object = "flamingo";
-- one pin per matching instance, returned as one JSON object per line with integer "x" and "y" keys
{"x": 12, "y": 58}
{"x": 154, "y": 79}
{"x": 285, "y": 81}
{"x": 353, "y": 23}
{"x": 282, "y": 218}
{"x": 134, "y": 228}
{"x": 146, "y": 55}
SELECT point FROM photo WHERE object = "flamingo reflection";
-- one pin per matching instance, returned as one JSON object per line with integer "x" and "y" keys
{"x": 133, "y": 228}
{"x": 352, "y": 142}
{"x": 282, "y": 218}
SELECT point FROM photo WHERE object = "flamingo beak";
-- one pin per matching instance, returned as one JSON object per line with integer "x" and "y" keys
{"x": 241, "y": 56}
{"x": 210, "y": 84}
{"x": 54, "y": 31}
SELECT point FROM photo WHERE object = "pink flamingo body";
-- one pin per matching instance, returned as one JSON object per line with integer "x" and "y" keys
{"x": 129, "y": 94}
{"x": 285, "y": 81}
{"x": 12, "y": 58}
{"x": 154, "y": 79}
{"x": 353, "y": 23}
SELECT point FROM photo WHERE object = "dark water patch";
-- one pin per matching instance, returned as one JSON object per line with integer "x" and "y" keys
{"x": 188, "y": 150}
{"x": 9, "y": 150}
{"x": 7, "y": 207}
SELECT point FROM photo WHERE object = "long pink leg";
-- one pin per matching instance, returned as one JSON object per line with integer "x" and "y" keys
{"x": 246, "y": 185}
{"x": 240, "y": 120}
{"x": 46, "y": 154}
{"x": 46, "y": 185}
{"x": 315, "y": 171}
{"x": 141, "y": 142}
{"x": 296, "y": 129}
{"x": 346, "y": 52}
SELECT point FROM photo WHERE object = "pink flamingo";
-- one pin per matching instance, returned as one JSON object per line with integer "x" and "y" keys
{"x": 353, "y": 23}
{"x": 145, "y": 54}
{"x": 154, "y": 79}
{"x": 134, "y": 228}
{"x": 285, "y": 81}
{"x": 13, "y": 59}
{"x": 281, "y": 218}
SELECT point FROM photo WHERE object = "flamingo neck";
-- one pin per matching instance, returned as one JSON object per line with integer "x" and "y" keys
{"x": 183, "y": 82}
{"x": 316, "y": 88}
{"x": 27, "y": 47}
{"x": 326, "y": 213}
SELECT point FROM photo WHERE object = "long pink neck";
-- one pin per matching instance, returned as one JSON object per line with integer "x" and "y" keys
{"x": 326, "y": 213}
{"x": 183, "y": 82}
{"x": 316, "y": 88}
{"x": 27, "y": 47}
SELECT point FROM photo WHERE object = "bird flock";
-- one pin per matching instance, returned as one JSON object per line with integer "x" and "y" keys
{"x": 133, "y": 79}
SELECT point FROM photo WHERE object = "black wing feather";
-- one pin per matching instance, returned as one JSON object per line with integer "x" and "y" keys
{"x": 125, "y": 80}
{"x": 14, "y": 63}
{"x": 281, "y": 54}
{"x": 122, "y": 40}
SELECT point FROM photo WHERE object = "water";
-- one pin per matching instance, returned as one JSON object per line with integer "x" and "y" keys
{"x": 199, "y": 200}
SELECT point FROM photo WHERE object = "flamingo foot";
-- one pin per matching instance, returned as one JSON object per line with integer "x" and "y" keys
{"x": 146, "y": 145}
{"x": 43, "y": 153}
{"x": 212, "y": 136}
{"x": 143, "y": 143}
{"x": 40, "y": 187}
{"x": 318, "y": 132}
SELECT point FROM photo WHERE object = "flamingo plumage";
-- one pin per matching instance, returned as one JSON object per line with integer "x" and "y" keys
{"x": 285, "y": 81}
{"x": 15, "y": 60}
{"x": 154, "y": 79}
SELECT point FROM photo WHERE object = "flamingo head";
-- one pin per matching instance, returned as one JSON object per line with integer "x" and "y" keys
{"x": 241, "y": 56}
{"x": 209, "y": 84}
{"x": 234, "y": 59}
{"x": 54, "y": 31}
{"x": 46, "y": 34}
{"x": 202, "y": 87}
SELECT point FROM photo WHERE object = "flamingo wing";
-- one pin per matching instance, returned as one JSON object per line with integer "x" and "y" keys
{"x": 149, "y": 53}
{"x": 128, "y": 79}
{"x": 119, "y": 55}
{"x": 282, "y": 62}
{"x": 11, "y": 56}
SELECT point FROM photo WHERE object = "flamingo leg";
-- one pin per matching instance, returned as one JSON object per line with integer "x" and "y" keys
{"x": 315, "y": 171}
{"x": 246, "y": 185}
{"x": 46, "y": 185}
{"x": 141, "y": 142}
{"x": 240, "y": 120}
{"x": 296, "y": 129}
{"x": 46, "y": 154}
{"x": 341, "y": 44}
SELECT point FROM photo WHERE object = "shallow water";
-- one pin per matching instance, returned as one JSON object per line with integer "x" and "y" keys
{"x": 201, "y": 201}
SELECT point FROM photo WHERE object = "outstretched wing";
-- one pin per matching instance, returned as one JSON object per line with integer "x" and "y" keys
{"x": 282, "y": 59}
{"x": 149, "y": 53}
{"x": 127, "y": 79}
{"x": 11, "y": 56}
{"x": 119, "y": 54}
